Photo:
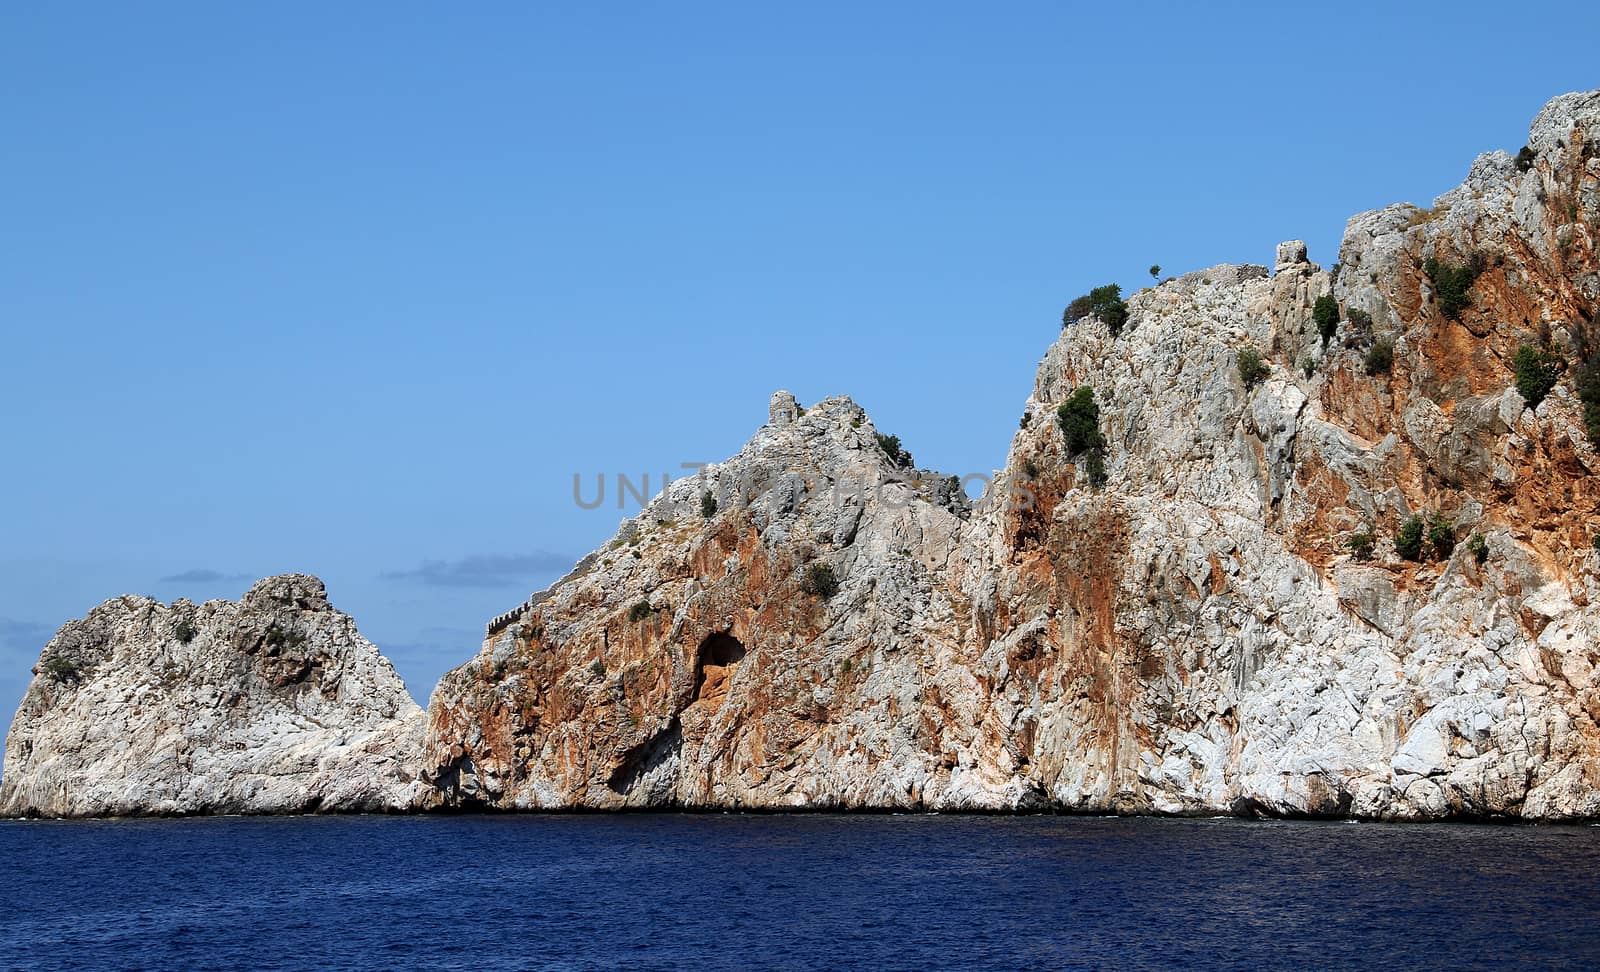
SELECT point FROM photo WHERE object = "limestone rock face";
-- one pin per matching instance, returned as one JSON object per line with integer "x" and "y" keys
{"x": 273, "y": 704}
{"x": 1194, "y": 636}
{"x": 779, "y": 653}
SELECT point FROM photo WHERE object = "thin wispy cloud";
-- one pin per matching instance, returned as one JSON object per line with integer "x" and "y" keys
{"x": 484, "y": 570}
{"x": 204, "y": 575}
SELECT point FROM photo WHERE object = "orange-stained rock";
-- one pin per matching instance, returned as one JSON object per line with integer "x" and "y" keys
{"x": 1195, "y": 636}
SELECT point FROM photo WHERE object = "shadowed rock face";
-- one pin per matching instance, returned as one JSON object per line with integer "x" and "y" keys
{"x": 274, "y": 704}
{"x": 1192, "y": 637}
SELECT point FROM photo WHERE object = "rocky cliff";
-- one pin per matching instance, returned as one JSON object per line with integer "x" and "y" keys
{"x": 1303, "y": 541}
{"x": 1219, "y": 620}
{"x": 273, "y": 704}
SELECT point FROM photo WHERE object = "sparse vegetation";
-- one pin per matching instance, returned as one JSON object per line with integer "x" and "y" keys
{"x": 1361, "y": 542}
{"x": 819, "y": 581}
{"x": 1252, "y": 368}
{"x": 890, "y": 444}
{"x": 1105, "y": 303}
{"x": 1079, "y": 418}
{"x": 1441, "y": 535}
{"x": 1452, "y": 285}
{"x": 1325, "y": 314}
{"x": 1030, "y": 469}
{"x": 1408, "y": 540}
{"x": 60, "y": 668}
{"x": 1308, "y": 365}
{"x": 1022, "y": 423}
{"x": 639, "y": 612}
{"x": 1380, "y": 357}
{"x": 1537, "y": 371}
{"x": 1587, "y": 387}
{"x": 708, "y": 505}
{"x": 597, "y": 668}
{"x": 1421, "y": 216}
{"x": 1358, "y": 328}
{"x": 1094, "y": 467}
{"x": 277, "y": 638}
{"x": 1478, "y": 547}
{"x": 1525, "y": 159}
{"x": 183, "y": 630}
{"x": 1155, "y": 271}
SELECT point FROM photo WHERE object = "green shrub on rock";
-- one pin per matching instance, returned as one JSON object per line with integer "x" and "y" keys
{"x": 1537, "y": 370}
{"x": 1358, "y": 330}
{"x": 1105, "y": 303}
{"x": 890, "y": 444}
{"x": 1360, "y": 543}
{"x": 61, "y": 668}
{"x": 1408, "y": 541}
{"x": 1478, "y": 547}
{"x": 1325, "y": 314}
{"x": 819, "y": 581}
{"x": 1251, "y": 366}
{"x": 1380, "y": 357}
{"x": 1079, "y": 418}
{"x": 1452, "y": 284}
{"x": 1587, "y": 387}
{"x": 1441, "y": 535}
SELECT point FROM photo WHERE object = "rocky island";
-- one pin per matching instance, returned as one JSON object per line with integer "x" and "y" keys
{"x": 1298, "y": 541}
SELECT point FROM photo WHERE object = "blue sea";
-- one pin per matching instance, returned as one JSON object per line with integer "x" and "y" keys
{"x": 709, "y": 892}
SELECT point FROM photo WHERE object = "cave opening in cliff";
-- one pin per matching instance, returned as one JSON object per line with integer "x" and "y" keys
{"x": 718, "y": 658}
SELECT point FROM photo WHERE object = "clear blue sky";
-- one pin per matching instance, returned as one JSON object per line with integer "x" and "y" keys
{"x": 354, "y": 289}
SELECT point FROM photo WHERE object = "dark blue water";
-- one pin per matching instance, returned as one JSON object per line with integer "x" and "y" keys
{"x": 826, "y": 892}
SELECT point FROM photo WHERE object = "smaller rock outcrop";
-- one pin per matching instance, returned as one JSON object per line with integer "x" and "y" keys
{"x": 273, "y": 704}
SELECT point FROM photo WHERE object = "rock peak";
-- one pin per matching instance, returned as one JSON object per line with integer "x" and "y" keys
{"x": 272, "y": 704}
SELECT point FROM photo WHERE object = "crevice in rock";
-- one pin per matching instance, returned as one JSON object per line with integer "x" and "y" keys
{"x": 645, "y": 758}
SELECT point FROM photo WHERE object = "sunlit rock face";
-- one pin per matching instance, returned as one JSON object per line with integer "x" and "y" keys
{"x": 1193, "y": 636}
{"x": 1181, "y": 619}
{"x": 272, "y": 704}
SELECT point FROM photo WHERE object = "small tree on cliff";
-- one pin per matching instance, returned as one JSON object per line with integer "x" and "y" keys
{"x": 1441, "y": 535}
{"x": 1252, "y": 368}
{"x": 1538, "y": 370}
{"x": 1452, "y": 285}
{"x": 1588, "y": 388}
{"x": 819, "y": 581}
{"x": 1079, "y": 418}
{"x": 1325, "y": 313}
{"x": 1105, "y": 303}
{"x": 1361, "y": 542}
{"x": 1408, "y": 541}
{"x": 1380, "y": 357}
